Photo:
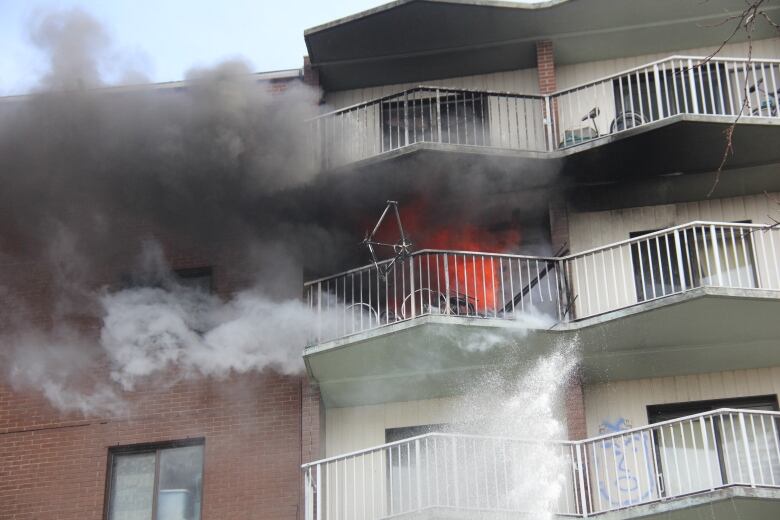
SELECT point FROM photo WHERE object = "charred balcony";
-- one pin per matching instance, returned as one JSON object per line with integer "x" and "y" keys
{"x": 680, "y": 105}
{"x": 700, "y": 296}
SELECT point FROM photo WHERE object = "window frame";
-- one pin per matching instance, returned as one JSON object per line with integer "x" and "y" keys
{"x": 148, "y": 447}
{"x": 669, "y": 411}
{"x": 692, "y": 272}
{"x": 432, "y": 111}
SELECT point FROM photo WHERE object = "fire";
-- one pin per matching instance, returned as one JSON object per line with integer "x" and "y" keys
{"x": 473, "y": 280}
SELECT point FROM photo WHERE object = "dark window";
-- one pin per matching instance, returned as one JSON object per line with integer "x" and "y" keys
{"x": 160, "y": 482}
{"x": 700, "y": 256}
{"x": 666, "y": 412}
{"x": 401, "y": 479}
{"x": 463, "y": 117}
{"x": 698, "y": 454}
{"x": 201, "y": 278}
{"x": 680, "y": 90}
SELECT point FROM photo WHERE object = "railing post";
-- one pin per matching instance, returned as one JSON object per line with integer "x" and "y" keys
{"x": 447, "y": 284}
{"x": 548, "y": 121}
{"x": 658, "y": 96}
{"x": 406, "y": 117}
{"x": 318, "y": 490}
{"x": 716, "y": 254}
{"x": 308, "y": 512}
{"x": 411, "y": 286}
{"x": 706, "y": 442}
{"x": 680, "y": 267}
{"x": 438, "y": 116}
{"x": 581, "y": 469}
{"x": 319, "y": 311}
{"x": 692, "y": 87}
{"x": 418, "y": 472}
{"x": 747, "y": 449}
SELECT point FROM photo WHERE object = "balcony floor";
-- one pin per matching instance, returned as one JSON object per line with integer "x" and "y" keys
{"x": 684, "y": 143}
{"x": 703, "y": 330}
{"x": 722, "y": 504}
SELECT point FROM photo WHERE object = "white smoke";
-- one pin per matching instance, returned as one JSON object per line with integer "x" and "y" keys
{"x": 152, "y": 330}
{"x": 526, "y": 408}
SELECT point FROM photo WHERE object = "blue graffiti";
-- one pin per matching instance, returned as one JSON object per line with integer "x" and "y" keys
{"x": 625, "y": 488}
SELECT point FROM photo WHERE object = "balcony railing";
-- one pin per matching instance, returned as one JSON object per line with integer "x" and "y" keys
{"x": 569, "y": 288}
{"x": 439, "y": 471}
{"x": 502, "y": 120}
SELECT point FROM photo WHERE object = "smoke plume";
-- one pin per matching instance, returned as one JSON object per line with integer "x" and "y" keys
{"x": 105, "y": 190}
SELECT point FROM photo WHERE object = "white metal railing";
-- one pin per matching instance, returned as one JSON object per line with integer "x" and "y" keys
{"x": 666, "y": 88}
{"x": 633, "y": 98}
{"x": 569, "y": 288}
{"x": 432, "y": 115}
{"x": 693, "y": 454}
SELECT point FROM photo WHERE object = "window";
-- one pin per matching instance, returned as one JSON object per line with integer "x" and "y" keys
{"x": 402, "y": 463}
{"x": 156, "y": 483}
{"x": 692, "y": 457}
{"x": 680, "y": 91}
{"x": 463, "y": 116}
{"x": 200, "y": 278}
{"x": 700, "y": 256}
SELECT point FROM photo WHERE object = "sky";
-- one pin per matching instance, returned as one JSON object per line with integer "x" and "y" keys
{"x": 165, "y": 38}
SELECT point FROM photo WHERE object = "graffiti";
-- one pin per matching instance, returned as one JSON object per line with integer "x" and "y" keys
{"x": 625, "y": 466}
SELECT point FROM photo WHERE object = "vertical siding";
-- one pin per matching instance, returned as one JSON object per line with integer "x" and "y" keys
{"x": 597, "y": 228}
{"x": 572, "y": 75}
{"x": 524, "y": 81}
{"x": 609, "y": 402}
{"x": 588, "y": 230}
{"x": 360, "y": 427}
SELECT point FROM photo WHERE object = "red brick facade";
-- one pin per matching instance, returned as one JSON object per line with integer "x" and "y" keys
{"x": 545, "y": 66}
{"x": 55, "y": 467}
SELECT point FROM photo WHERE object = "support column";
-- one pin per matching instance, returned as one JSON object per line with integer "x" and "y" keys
{"x": 545, "y": 66}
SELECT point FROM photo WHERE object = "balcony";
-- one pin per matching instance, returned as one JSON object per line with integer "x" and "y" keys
{"x": 680, "y": 103}
{"x": 701, "y": 297}
{"x": 724, "y": 463}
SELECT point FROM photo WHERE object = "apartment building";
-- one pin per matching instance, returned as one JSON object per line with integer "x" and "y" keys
{"x": 631, "y": 146}
{"x": 585, "y": 324}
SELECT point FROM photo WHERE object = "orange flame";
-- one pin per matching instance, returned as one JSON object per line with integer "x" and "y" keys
{"x": 473, "y": 276}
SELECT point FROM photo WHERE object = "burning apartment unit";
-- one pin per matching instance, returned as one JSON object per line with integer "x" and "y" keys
{"x": 564, "y": 304}
{"x": 584, "y": 325}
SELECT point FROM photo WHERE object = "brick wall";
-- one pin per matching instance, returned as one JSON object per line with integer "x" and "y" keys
{"x": 545, "y": 66}
{"x": 55, "y": 467}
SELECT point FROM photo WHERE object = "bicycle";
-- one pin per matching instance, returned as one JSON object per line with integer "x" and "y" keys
{"x": 767, "y": 106}
{"x": 623, "y": 121}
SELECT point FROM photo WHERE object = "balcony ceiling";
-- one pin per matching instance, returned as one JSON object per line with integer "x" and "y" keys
{"x": 418, "y": 40}
{"x": 704, "y": 330}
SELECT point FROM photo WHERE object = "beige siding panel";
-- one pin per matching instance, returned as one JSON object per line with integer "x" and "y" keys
{"x": 524, "y": 81}
{"x": 360, "y": 427}
{"x": 588, "y": 230}
{"x": 607, "y": 403}
{"x": 616, "y": 225}
{"x": 568, "y": 76}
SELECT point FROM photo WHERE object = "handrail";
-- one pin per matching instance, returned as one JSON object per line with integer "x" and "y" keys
{"x": 570, "y": 256}
{"x": 588, "y": 477}
{"x": 629, "y": 431}
{"x": 701, "y": 59}
{"x": 420, "y": 88}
